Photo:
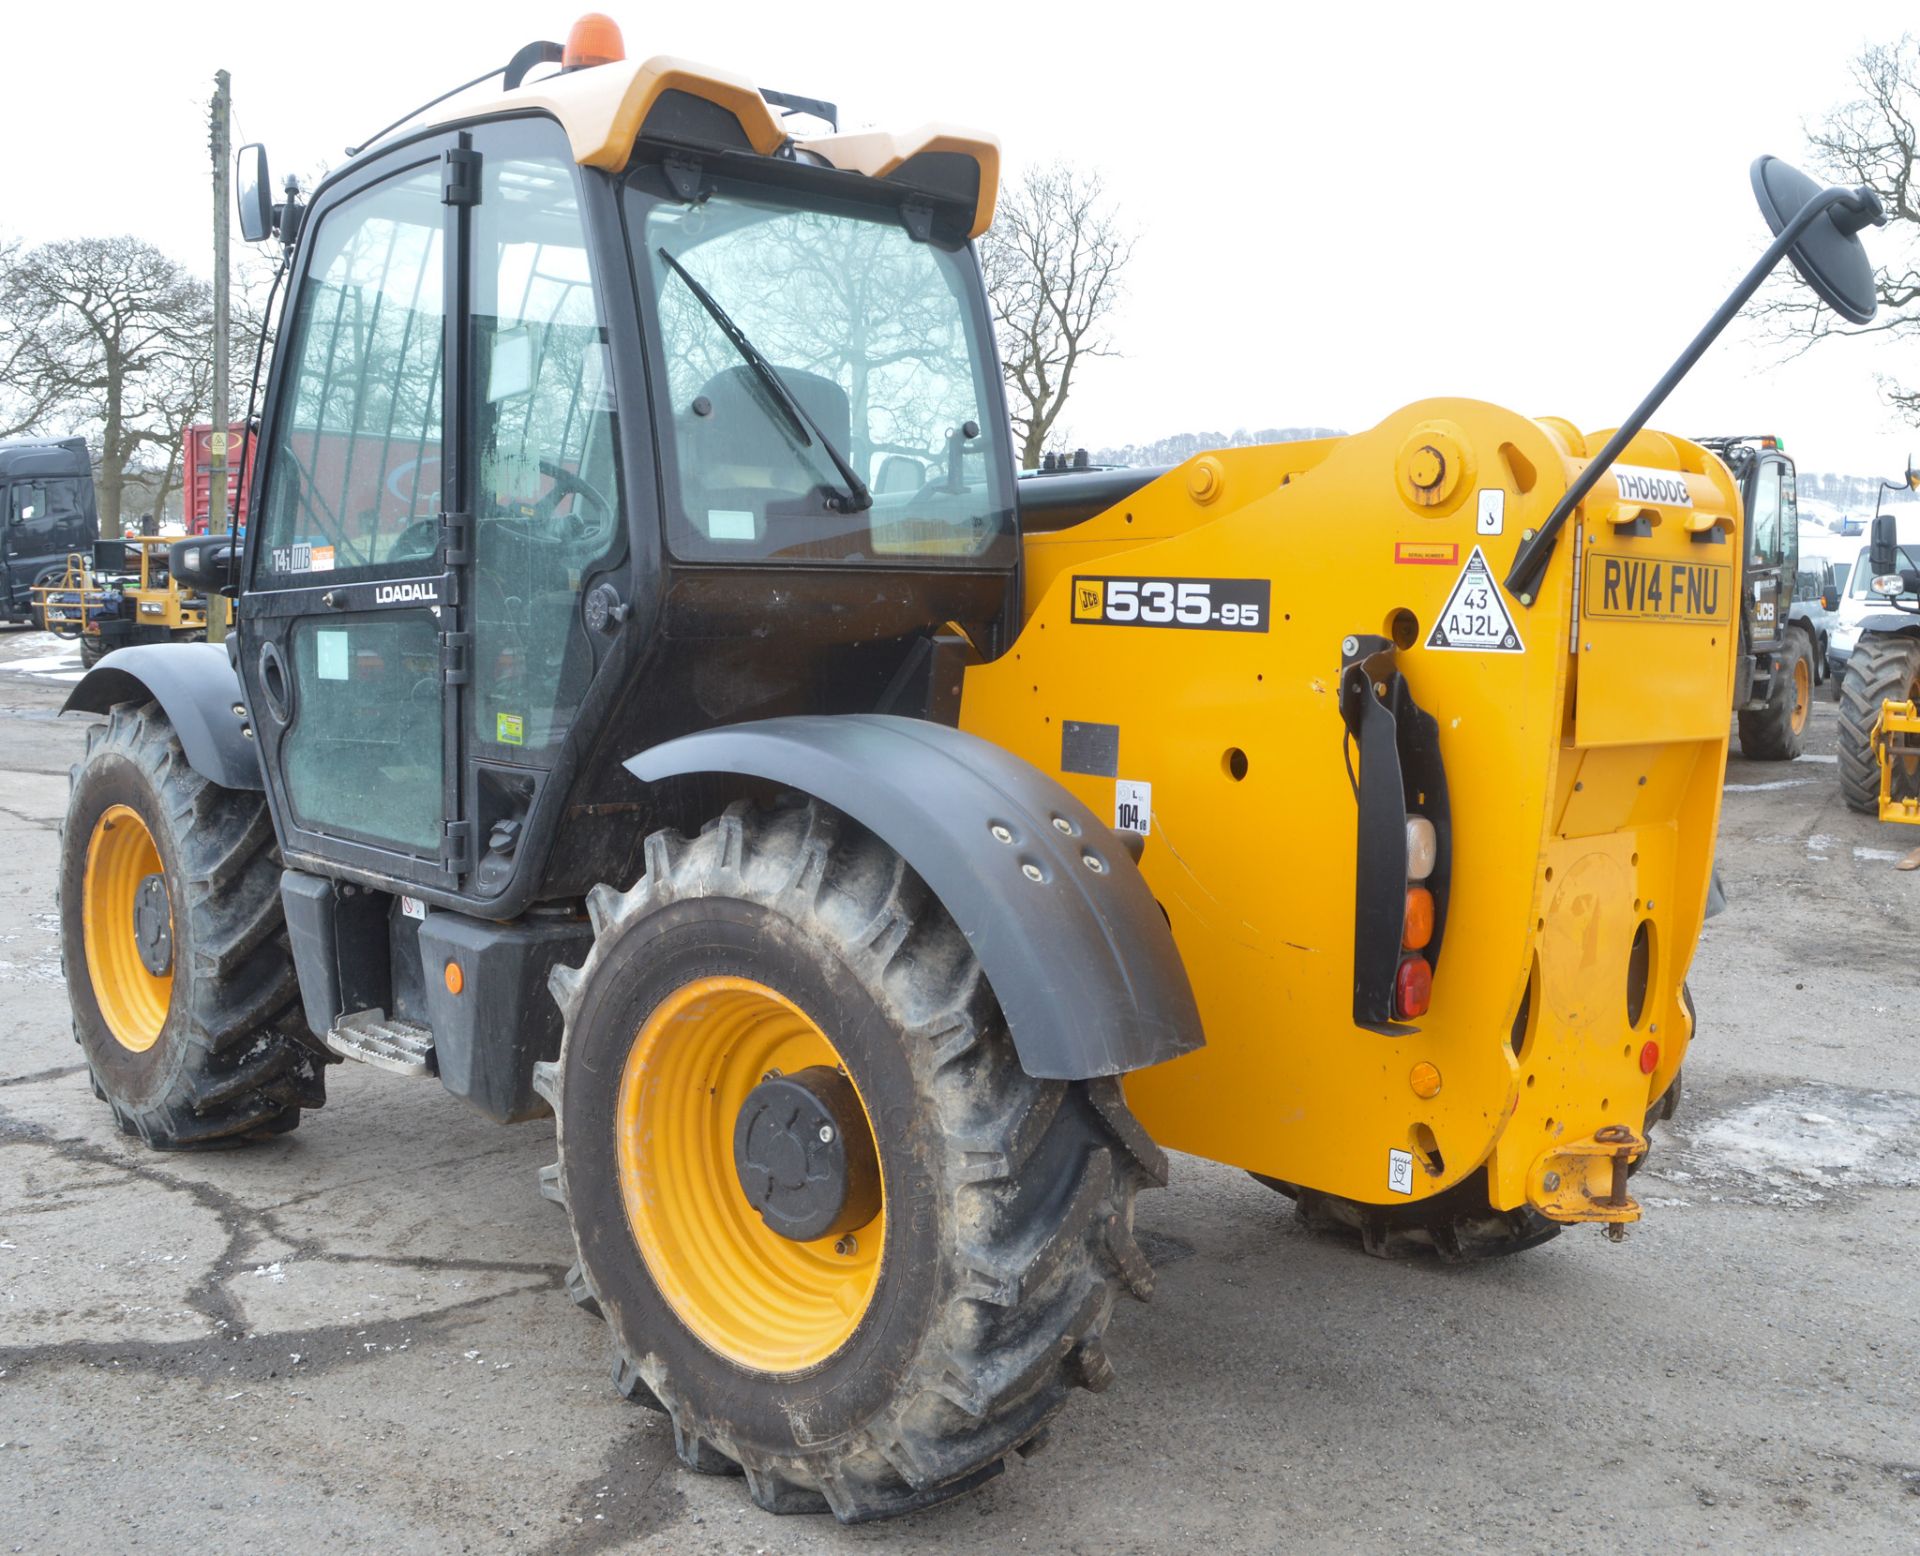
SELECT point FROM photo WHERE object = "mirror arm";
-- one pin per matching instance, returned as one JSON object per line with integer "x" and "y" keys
{"x": 1530, "y": 561}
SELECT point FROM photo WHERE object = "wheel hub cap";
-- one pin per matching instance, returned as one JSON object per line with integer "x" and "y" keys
{"x": 804, "y": 1157}
{"x": 153, "y": 925}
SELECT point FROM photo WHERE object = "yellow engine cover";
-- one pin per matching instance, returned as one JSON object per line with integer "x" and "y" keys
{"x": 1584, "y": 738}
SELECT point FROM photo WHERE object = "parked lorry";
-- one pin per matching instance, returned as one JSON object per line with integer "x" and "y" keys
{"x": 873, "y": 879}
{"x": 197, "y": 463}
{"x": 47, "y": 514}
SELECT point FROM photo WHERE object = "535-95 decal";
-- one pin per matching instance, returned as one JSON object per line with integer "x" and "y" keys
{"x": 1205, "y": 604}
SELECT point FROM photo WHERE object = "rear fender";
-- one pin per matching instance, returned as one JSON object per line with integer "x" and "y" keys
{"x": 199, "y": 692}
{"x": 1080, "y": 958}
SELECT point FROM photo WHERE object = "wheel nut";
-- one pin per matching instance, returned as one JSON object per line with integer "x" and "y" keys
{"x": 1550, "y": 1182}
{"x": 1031, "y": 872}
{"x": 826, "y": 1134}
{"x": 847, "y": 1247}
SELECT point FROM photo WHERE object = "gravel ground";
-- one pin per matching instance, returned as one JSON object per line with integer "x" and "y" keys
{"x": 356, "y": 1335}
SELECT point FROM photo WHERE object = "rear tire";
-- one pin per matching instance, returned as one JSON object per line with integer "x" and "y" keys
{"x": 1777, "y": 732}
{"x": 213, "y": 1049}
{"x": 1004, "y": 1232}
{"x": 1881, "y": 669}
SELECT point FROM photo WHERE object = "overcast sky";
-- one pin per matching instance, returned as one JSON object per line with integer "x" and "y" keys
{"x": 1340, "y": 209}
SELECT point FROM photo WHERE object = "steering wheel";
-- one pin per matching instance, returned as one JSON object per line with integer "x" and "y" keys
{"x": 420, "y": 539}
{"x": 596, "y": 529}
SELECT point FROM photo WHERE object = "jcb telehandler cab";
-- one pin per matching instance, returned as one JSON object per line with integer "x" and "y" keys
{"x": 648, "y": 704}
{"x": 1777, "y": 667}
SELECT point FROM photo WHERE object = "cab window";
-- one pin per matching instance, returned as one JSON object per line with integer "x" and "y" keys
{"x": 355, "y": 477}
{"x": 1763, "y": 524}
{"x": 790, "y": 339}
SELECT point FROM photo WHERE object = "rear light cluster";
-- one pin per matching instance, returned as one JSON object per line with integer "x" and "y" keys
{"x": 1413, "y": 983}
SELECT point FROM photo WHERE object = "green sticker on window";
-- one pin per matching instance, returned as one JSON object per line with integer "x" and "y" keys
{"x": 507, "y": 729}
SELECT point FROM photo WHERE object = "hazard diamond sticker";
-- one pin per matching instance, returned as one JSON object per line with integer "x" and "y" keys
{"x": 1475, "y": 617}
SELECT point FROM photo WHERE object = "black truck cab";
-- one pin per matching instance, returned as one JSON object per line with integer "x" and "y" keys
{"x": 46, "y": 513}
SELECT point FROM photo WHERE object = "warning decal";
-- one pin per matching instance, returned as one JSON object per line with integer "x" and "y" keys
{"x": 1475, "y": 617}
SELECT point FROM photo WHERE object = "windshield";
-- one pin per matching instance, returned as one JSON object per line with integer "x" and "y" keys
{"x": 879, "y": 347}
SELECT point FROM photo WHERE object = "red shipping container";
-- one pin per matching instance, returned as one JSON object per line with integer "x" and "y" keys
{"x": 199, "y": 481}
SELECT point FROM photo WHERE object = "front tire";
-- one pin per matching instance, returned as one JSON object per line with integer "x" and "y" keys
{"x": 174, "y": 946}
{"x": 879, "y": 1368}
{"x": 1777, "y": 732}
{"x": 1881, "y": 669}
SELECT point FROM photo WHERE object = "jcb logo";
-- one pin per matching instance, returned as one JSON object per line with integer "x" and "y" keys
{"x": 1089, "y": 599}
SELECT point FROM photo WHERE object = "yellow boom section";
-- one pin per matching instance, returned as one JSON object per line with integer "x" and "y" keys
{"x": 1584, "y": 740}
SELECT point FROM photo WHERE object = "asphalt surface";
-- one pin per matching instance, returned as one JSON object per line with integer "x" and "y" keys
{"x": 355, "y": 1335}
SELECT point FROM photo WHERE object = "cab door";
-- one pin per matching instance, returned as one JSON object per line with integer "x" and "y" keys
{"x": 353, "y": 645}
{"x": 1773, "y": 547}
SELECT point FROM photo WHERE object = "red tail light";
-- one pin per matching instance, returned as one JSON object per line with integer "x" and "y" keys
{"x": 1649, "y": 1058}
{"x": 1412, "y": 987}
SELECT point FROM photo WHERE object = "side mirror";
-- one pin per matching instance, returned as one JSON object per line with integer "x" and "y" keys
{"x": 207, "y": 564}
{"x": 1828, "y": 253}
{"x": 1881, "y": 557}
{"x": 253, "y": 193}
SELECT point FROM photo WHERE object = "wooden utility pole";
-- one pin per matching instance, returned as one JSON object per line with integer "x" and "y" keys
{"x": 217, "y": 442}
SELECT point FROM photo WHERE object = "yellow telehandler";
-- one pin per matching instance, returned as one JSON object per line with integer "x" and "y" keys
{"x": 655, "y": 703}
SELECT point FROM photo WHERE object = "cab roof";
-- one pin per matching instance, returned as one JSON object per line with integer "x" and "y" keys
{"x": 605, "y": 108}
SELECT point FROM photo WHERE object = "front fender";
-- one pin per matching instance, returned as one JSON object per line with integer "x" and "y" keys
{"x": 196, "y": 688}
{"x": 1081, "y": 959}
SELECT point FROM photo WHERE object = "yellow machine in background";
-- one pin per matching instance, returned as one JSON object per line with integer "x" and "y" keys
{"x": 1584, "y": 740}
{"x": 133, "y": 599}
{"x": 1896, "y": 743}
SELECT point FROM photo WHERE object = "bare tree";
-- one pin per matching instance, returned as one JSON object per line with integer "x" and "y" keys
{"x": 108, "y": 333}
{"x": 1053, "y": 261}
{"x": 1871, "y": 140}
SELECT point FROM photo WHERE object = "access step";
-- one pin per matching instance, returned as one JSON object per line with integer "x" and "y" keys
{"x": 385, "y": 1042}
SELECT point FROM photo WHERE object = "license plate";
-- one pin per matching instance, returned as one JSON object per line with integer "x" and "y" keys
{"x": 1626, "y": 588}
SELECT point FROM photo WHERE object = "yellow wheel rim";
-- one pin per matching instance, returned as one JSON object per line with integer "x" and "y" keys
{"x": 1802, "y": 693}
{"x": 748, "y": 1293}
{"x": 133, "y": 1002}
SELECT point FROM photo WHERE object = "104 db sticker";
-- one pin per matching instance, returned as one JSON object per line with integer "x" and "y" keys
{"x": 1203, "y": 604}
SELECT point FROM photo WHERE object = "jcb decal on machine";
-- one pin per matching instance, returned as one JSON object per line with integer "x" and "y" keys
{"x": 1647, "y": 589}
{"x": 1210, "y": 604}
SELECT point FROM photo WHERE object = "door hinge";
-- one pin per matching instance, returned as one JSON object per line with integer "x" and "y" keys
{"x": 456, "y": 847}
{"x": 456, "y": 539}
{"x": 456, "y": 658}
{"x": 460, "y": 177}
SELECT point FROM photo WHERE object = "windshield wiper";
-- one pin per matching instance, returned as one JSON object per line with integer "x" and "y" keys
{"x": 857, "y": 498}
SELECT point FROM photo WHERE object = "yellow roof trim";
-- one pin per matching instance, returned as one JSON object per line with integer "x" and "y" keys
{"x": 877, "y": 153}
{"x": 602, "y": 107}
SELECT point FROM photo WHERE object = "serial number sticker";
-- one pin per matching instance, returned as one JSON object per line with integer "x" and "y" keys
{"x": 1426, "y": 553}
{"x": 1400, "y": 1172}
{"x": 1475, "y": 616}
{"x": 413, "y": 907}
{"x": 1637, "y": 485}
{"x": 1624, "y": 588}
{"x": 1202, "y": 604}
{"x": 1132, "y": 806}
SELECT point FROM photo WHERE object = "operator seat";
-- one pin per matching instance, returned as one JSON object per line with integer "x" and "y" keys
{"x": 746, "y": 458}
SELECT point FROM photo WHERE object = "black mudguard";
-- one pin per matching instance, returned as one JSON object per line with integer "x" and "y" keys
{"x": 197, "y": 689}
{"x": 1081, "y": 959}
